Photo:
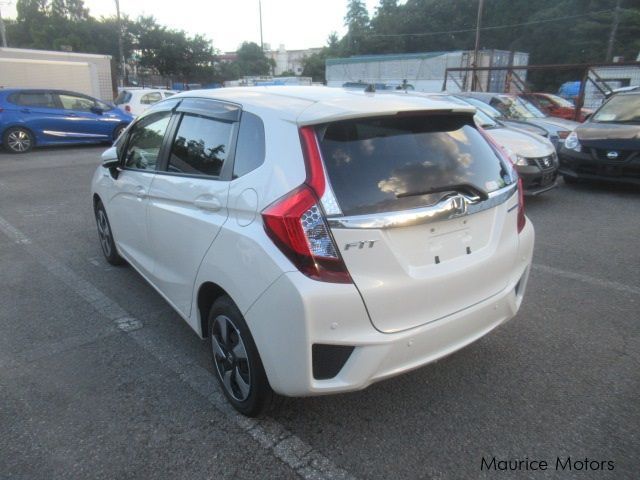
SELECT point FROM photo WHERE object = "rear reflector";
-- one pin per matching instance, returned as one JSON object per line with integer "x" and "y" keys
{"x": 296, "y": 223}
{"x": 328, "y": 360}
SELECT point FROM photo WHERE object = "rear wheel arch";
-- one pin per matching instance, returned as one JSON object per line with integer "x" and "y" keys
{"x": 208, "y": 293}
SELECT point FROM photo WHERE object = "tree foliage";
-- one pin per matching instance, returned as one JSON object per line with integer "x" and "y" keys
{"x": 67, "y": 25}
{"x": 552, "y": 31}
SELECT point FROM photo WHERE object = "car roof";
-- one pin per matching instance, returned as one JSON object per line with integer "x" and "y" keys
{"x": 54, "y": 90}
{"x": 307, "y": 105}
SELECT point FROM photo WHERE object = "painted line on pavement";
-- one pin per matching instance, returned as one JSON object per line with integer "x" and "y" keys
{"x": 598, "y": 282}
{"x": 267, "y": 432}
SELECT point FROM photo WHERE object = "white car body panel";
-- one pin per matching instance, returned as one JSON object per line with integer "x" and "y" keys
{"x": 135, "y": 107}
{"x": 416, "y": 314}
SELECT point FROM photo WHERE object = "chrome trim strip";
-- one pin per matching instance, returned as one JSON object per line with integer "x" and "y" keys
{"x": 448, "y": 208}
{"x": 55, "y": 133}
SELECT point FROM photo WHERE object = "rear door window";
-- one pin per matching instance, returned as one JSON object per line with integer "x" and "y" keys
{"x": 398, "y": 163}
{"x": 201, "y": 145}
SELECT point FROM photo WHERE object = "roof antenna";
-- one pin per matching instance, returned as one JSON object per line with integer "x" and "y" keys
{"x": 371, "y": 88}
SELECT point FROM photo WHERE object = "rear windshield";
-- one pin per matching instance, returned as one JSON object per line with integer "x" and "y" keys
{"x": 123, "y": 97}
{"x": 398, "y": 163}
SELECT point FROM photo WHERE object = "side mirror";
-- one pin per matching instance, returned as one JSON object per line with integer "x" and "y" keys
{"x": 111, "y": 161}
{"x": 97, "y": 110}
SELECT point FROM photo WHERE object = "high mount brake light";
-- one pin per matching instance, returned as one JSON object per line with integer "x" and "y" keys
{"x": 522, "y": 219}
{"x": 296, "y": 223}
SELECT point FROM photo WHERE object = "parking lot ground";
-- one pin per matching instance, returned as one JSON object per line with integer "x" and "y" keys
{"x": 99, "y": 378}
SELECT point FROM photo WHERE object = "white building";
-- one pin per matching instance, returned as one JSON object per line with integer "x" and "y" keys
{"x": 289, "y": 60}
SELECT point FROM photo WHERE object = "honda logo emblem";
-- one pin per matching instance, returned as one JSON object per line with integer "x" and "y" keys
{"x": 459, "y": 206}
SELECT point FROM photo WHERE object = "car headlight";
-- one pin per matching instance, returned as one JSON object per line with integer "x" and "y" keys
{"x": 563, "y": 134}
{"x": 572, "y": 142}
{"x": 522, "y": 161}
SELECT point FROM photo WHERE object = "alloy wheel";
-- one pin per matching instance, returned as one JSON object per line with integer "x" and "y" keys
{"x": 230, "y": 358}
{"x": 104, "y": 232}
{"x": 19, "y": 141}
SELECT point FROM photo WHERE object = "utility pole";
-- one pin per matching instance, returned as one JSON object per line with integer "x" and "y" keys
{"x": 477, "y": 44}
{"x": 120, "y": 46}
{"x": 3, "y": 31}
{"x": 614, "y": 30}
{"x": 260, "y": 13}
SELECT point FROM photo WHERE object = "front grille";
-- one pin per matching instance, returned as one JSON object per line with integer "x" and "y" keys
{"x": 544, "y": 163}
{"x": 613, "y": 155}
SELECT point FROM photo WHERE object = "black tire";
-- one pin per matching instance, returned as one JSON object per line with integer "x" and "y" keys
{"x": 105, "y": 235}
{"x": 117, "y": 131}
{"x": 18, "y": 140}
{"x": 236, "y": 360}
{"x": 570, "y": 180}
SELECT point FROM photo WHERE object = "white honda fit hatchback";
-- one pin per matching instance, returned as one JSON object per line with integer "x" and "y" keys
{"x": 323, "y": 239}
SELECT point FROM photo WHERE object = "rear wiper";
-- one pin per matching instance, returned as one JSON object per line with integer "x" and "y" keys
{"x": 462, "y": 188}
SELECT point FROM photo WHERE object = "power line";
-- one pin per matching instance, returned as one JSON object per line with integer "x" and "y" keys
{"x": 494, "y": 27}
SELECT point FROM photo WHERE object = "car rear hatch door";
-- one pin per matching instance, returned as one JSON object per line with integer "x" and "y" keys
{"x": 423, "y": 211}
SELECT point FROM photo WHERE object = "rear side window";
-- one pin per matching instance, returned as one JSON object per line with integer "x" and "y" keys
{"x": 250, "y": 148}
{"x": 398, "y": 163}
{"x": 34, "y": 99}
{"x": 201, "y": 145}
{"x": 150, "y": 98}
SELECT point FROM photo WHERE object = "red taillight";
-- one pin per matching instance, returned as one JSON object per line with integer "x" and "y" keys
{"x": 127, "y": 108}
{"x": 522, "y": 220}
{"x": 297, "y": 226}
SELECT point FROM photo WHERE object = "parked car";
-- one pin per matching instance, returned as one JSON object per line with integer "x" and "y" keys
{"x": 518, "y": 110}
{"x": 607, "y": 145}
{"x": 556, "y": 106}
{"x": 322, "y": 239}
{"x": 533, "y": 156}
{"x": 39, "y": 117}
{"x": 136, "y": 101}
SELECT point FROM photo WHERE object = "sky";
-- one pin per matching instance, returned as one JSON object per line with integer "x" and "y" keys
{"x": 297, "y": 24}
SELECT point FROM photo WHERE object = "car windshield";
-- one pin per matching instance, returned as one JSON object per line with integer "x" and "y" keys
{"x": 620, "y": 109}
{"x": 517, "y": 108}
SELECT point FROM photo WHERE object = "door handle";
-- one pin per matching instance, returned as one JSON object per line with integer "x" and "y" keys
{"x": 73, "y": 115}
{"x": 141, "y": 192}
{"x": 25, "y": 110}
{"x": 207, "y": 202}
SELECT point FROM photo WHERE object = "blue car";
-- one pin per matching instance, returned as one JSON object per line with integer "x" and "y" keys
{"x": 41, "y": 117}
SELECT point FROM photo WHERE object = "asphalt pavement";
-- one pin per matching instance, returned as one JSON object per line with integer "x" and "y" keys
{"x": 99, "y": 378}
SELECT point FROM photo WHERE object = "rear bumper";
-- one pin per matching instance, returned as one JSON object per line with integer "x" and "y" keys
{"x": 295, "y": 308}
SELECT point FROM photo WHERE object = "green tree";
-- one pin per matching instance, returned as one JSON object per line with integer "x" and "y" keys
{"x": 252, "y": 60}
{"x": 357, "y": 22}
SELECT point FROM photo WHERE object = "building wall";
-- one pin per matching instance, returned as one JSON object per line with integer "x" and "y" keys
{"x": 101, "y": 66}
{"x": 424, "y": 71}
